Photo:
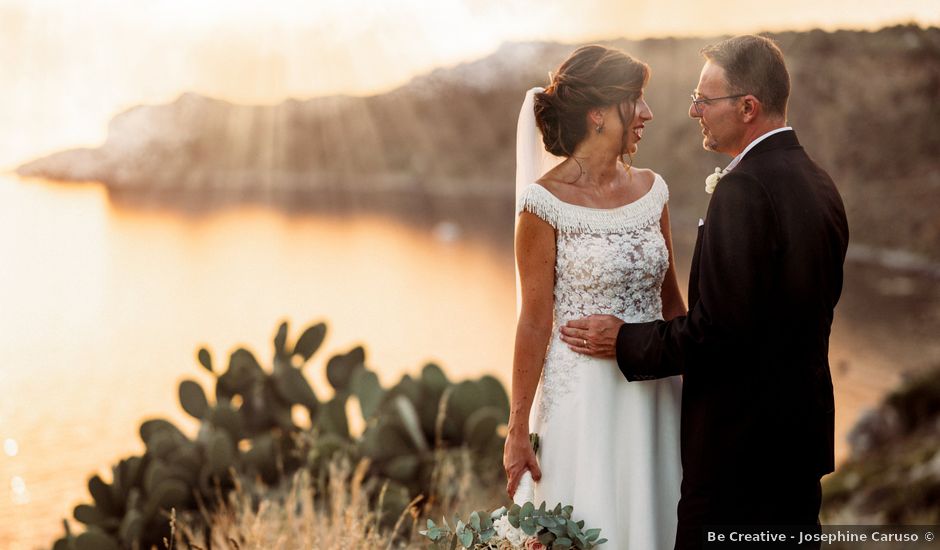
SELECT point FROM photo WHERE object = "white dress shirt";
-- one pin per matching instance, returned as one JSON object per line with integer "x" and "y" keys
{"x": 737, "y": 159}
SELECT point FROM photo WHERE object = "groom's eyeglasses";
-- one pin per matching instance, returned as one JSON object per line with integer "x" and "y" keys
{"x": 698, "y": 101}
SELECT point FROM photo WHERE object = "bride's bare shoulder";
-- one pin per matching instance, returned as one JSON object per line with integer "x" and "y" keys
{"x": 644, "y": 178}
{"x": 554, "y": 185}
{"x": 557, "y": 181}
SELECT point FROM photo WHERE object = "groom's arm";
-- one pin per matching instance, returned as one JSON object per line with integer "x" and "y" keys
{"x": 736, "y": 272}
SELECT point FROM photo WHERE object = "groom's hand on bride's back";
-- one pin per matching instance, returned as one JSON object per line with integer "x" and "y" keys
{"x": 595, "y": 335}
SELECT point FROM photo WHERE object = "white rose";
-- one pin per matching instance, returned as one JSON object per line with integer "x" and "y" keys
{"x": 505, "y": 530}
{"x": 711, "y": 182}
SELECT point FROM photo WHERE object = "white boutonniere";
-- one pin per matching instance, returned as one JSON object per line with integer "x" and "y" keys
{"x": 711, "y": 182}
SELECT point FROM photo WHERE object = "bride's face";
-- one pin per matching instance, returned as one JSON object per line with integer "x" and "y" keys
{"x": 635, "y": 122}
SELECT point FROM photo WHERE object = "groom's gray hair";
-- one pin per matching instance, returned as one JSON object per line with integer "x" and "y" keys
{"x": 754, "y": 65}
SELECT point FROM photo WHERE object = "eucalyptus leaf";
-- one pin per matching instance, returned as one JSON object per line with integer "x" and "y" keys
{"x": 466, "y": 538}
{"x": 475, "y": 521}
{"x": 527, "y": 509}
{"x": 513, "y": 519}
{"x": 547, "y": 521}
{"x": 573, "y": 529}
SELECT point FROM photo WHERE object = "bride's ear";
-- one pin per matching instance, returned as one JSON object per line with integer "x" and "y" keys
{"x": 595, "y": 118}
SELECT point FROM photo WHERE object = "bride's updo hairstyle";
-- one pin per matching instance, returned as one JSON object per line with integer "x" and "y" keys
{"x": 592, "y": 77}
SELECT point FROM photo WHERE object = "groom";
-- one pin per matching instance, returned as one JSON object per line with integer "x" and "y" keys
{"x": 757, "y": 401}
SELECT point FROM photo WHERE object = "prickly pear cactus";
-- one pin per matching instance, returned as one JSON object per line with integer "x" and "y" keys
{"x": 249, "y": 432}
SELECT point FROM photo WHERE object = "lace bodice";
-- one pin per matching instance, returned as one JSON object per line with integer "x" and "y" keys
{"x": 607, "y": 261}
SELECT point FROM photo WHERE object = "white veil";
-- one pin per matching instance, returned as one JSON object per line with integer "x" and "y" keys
{"x": 532, "y": 160}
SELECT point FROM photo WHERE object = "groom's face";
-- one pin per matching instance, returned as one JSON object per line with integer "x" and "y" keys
{"x": 721, "y": 129}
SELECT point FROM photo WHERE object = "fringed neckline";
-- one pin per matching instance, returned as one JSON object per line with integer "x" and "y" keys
{"x": 564, "y": 216}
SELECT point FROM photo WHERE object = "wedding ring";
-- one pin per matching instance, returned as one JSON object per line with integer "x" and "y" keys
{"x": 585, "y": 343}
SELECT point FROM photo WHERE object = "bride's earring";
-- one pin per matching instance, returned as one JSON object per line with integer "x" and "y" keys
{"x": 599, "y": 128}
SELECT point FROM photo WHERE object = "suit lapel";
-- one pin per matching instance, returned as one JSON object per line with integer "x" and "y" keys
{"x": 781, "y": 140}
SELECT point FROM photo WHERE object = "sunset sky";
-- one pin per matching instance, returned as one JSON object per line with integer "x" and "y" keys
{"x": 67, "y": 67}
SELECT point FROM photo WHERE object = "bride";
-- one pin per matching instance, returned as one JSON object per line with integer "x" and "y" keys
{"x": 593, "y": 237}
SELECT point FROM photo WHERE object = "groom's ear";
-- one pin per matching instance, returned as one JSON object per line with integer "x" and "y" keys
{"x": 750, "y": 108}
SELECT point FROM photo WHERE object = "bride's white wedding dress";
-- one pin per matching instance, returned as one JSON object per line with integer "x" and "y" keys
{"x": 609, "y": 447}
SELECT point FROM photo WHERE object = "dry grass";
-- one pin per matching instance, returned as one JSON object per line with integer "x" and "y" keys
{"x": 341, "y": 518}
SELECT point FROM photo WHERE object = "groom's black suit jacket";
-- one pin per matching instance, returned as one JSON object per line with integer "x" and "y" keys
{"x": 757, "y": 399}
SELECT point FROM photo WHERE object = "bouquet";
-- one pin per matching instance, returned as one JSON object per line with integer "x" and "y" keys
{"x": 519, "y": 527}
{"x": 516, "y": 528}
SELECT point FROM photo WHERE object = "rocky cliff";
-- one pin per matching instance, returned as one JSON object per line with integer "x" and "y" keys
{"x": 865, "y": 104}
{"x": 893, "y": 474}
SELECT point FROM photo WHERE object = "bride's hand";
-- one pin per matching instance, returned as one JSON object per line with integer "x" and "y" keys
{"x": 518, "y": 457}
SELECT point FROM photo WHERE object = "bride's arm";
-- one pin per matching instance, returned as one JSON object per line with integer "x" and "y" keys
{"x": 673, "y": 304}
{"x": 535, "y": 258}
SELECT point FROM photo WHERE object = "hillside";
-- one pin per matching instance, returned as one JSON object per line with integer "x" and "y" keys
{"x": 893, "y": 473}
{"x": 865, "y": 105}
